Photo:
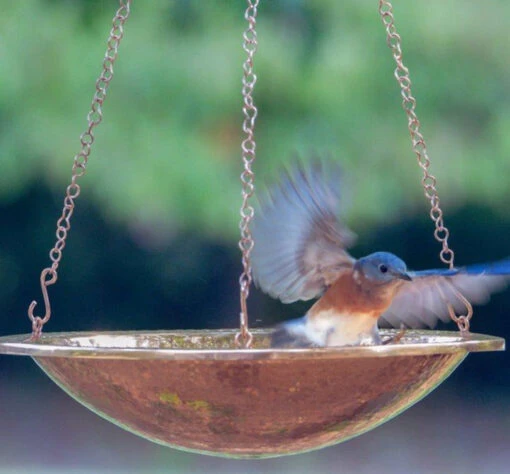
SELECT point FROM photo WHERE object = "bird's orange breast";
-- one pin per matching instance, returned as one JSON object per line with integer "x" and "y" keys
{"x": 348, "y": 296}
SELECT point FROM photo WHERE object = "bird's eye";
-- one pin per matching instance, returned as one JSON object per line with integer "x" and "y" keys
{"x": 383, "y": 268}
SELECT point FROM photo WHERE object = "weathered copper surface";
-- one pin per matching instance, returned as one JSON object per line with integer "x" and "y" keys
{"x": 193, "y": 390}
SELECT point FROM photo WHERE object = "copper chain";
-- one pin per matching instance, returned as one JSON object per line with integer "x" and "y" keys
{"x": 429, "y": 181}
{"x": 244, "y": 337}
{"x": 49, "y": 275}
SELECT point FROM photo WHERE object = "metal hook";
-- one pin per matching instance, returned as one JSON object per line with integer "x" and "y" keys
{"x": 462, "y": 321}
{"x": 37, "y": 321}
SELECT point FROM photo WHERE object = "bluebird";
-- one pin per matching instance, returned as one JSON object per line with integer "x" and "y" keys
{"x": 300, "y": 254}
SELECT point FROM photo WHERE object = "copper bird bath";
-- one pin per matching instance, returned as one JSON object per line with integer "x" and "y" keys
{"x": 195, "y": 391}
{"x": 219, "y": 393}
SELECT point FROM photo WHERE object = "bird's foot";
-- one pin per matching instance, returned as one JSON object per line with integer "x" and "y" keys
{"x": 397, "y": 337}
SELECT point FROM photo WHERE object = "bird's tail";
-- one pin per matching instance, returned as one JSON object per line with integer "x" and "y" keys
{"x": 291, "y": 334}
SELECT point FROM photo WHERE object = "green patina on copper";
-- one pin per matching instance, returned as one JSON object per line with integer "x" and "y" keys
{"x": 171, "y": 398}
{"x": 201, "y": 407}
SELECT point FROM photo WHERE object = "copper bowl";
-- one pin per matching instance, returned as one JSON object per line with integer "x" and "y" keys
{"x": 194, "y": 390}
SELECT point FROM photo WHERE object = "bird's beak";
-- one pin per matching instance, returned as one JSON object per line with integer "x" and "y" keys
{"x": 403, "y": 276}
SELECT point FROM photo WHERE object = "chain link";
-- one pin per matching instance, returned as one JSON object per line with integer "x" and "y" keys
{"x": 244, "y": 337}
{"x": 429, "y": 181}
{"x": 49, "y": 275}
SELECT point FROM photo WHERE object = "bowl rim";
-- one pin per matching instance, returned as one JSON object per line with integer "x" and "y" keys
{"x": 127, "y": 345}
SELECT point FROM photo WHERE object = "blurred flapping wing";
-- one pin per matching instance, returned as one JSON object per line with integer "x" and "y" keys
{"x": 299, "y": 241}
{"x": 423, "y": 301}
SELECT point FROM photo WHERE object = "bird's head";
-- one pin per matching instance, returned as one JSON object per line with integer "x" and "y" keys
{"x": 382, "y": 268}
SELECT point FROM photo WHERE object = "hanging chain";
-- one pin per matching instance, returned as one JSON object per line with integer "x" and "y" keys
{"x": 244, "y": 337}
{"x": 49, "y": 275}
{"x": 429, "y": 181}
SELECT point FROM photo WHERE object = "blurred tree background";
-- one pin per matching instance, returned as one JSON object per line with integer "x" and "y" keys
{"x": 153, "y": 241}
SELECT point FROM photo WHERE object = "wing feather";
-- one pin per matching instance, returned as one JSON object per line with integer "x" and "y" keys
{"x": 423, "y": 301}
{"x": 299, "y": 241}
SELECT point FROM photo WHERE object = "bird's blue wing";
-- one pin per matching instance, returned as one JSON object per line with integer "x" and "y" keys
{"x": 423, "y": 301}
{"x": 299, "y": 241}
{"x": 502, "y": 267}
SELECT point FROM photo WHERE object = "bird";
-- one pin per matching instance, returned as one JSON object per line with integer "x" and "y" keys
{"x": 300, "y": 253}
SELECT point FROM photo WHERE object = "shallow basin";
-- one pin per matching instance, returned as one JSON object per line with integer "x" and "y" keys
{"x": 194, "y": 390}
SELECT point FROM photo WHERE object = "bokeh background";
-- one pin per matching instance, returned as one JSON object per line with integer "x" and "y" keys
{"x": 153, "y": 242}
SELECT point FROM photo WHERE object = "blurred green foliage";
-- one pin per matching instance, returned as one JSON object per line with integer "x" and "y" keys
{"x": 153, "y": 241}
{"x": 167, "y": 156}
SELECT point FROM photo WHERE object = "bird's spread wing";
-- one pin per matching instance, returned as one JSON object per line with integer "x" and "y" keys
{"x": 299, "y": 241}
{"x": 423, "y": 301}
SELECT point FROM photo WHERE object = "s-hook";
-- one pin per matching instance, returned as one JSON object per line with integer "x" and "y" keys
{"x": 37, "y": 321}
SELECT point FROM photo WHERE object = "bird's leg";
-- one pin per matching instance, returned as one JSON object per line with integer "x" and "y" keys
{"x": 397, "y": 337}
